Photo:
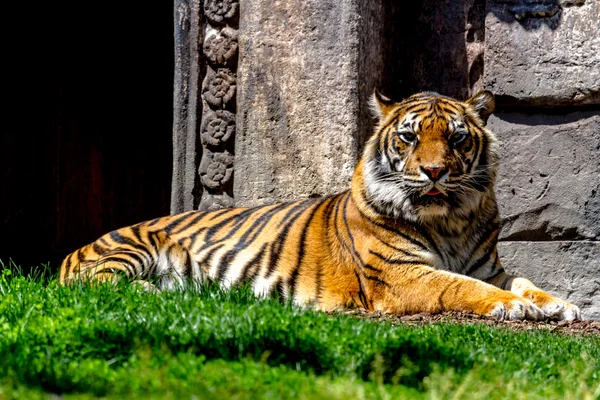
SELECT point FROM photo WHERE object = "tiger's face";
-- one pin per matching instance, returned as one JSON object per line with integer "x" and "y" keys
{"x": 430, "y": 157}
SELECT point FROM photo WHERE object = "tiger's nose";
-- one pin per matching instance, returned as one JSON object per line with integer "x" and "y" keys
{"x": 433, "y": 171}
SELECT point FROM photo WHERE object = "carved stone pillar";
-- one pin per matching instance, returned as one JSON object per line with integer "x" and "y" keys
{"x": 217, "y": 134}
{"x": 206, "y": 51}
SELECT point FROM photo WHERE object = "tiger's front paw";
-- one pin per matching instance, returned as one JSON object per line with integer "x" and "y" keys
{"x": 555, "y": 308}
{"x": 517, "y": 309}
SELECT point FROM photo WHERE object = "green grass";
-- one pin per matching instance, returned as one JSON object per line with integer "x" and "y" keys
{"x": 121, "y": 342}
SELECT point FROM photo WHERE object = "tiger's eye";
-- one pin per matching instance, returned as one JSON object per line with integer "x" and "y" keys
{"x": 458, "y": 137}
{"x": 407, "y": 137}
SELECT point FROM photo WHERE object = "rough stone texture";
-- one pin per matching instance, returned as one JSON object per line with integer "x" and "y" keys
{"x": 543, "y": 52}
{"x": 186, "y": 107}
{"x": 549, "y": 177}
{"x": 299, "y": 89}
{"x": 570, "y": 270}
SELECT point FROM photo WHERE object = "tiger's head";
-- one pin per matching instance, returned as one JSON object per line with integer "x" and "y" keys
{"x": 431, "y": 157}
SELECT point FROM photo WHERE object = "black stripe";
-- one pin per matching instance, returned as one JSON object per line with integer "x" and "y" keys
{"x": 239, "y": 220}
{"x": 135, "y": 255}
{"x": 279, "y": 288}
{"x": 300, "y": 255}
{"x": 180, "y": 219}
{"x": 489, "y": 228}
{"x": 188, "y": 265}
{"x": 119, "y": 239}
{"x": 372, "y": 268}
{"x": 430, "y": 241}
{"x": 155, "y": 221}
{"x": 417, "y": 108}
{"x": 143, "y": 248}
{"x": 341, "y": 239}
{"x": 184, "y": 223}
{"x": 80, "y": 256}
{"x": 210, "y": 254}
{"x": 478, "y": 144}
{"x": 386, "y": 150}
{"x": 361, "y": 292}
{"x": 155, "y": 241}
{"x": 349, "y": 233}
{"x": 97, "y": 248}
{"x": 373, "y": 207}
{"x": 391, "y": 246}
{"x": 303, "y": 205}
{"x": 396, "y": 231}
{"x": 259, "y": 225}
{"x": 131, "y": 270}
{"x": 482, "y": 260}
{"x": 395, "y": 262}
{"x": 216, "y": 214}
{"x": 277, "y": 245}
{"x": 243, "y": 241}
{"x": 122, "y": 240}
{"x": 255, "y": 262}
{"x": 376, "y": 279}
{"x": 135, "y": 229}
{"x": 69, "y": 267}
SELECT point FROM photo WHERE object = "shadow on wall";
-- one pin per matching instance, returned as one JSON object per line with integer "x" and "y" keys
{"x": 531, "y": 14}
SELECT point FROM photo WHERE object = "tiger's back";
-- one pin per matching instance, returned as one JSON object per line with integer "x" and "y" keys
{"x": 259, "y": 245}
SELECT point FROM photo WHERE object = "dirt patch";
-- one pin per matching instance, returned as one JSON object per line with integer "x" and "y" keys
{"x": 586, "y": 327}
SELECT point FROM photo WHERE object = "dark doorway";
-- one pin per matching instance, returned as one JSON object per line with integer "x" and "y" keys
{"x": 86, "y": 142}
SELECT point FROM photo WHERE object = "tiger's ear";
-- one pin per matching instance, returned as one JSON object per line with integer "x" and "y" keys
{"x": 381, "y": 105}
{"x": 484, "y": 103}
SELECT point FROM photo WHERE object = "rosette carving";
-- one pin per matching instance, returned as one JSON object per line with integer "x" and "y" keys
{"x": 217, "y": 127}
{"x": 221, "y": 47}
{"x": 219, "y": 11}
{"x": 219, "y": 88}
{"x": 216, "y": 169}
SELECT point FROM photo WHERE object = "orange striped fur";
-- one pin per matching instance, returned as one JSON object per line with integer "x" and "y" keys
{"x": 417, "y": 232}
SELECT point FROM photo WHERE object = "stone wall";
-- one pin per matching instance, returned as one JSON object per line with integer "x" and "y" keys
{"x": 303, "y": 79}
{"x": 542, "y": 60}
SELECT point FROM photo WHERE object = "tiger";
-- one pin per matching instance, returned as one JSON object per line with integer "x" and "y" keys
{"x": 416, "y": 232}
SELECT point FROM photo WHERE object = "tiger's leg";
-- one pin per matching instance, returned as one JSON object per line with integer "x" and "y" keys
{"x": 165, "y": 262}
{"x": 553, "y": 307}
{"x": 424, "y": 289}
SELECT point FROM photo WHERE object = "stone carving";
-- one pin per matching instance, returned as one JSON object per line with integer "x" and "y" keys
{"x": 217, "y": 127}
{"x": 219, "y": 11}
{"x": 219, "y": 87}
{"x": 216, "y": 169}
{"x": 218, "y": 94}
{"x": 221, "y": 47}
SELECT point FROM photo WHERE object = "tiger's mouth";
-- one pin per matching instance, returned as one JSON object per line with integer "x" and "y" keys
{"x": 435, "y": 196}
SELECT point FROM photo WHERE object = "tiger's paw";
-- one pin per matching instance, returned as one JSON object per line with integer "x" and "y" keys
{"x": 517, "y": 310}
{"x": 555, "y": 308}
{"x": 145, "y": 286}
{"x": 562, "y": 310}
